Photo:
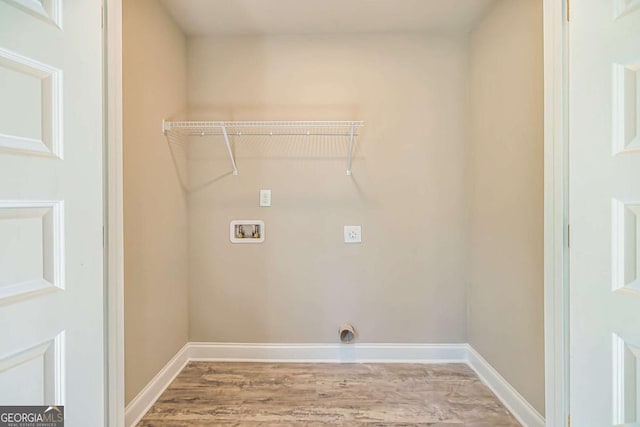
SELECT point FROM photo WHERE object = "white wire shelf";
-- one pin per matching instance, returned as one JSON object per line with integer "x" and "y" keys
{"x": 346, "y": 129}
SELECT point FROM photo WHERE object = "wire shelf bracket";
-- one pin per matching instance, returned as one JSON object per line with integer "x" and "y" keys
{"x": 228, "y": 144}
{"x": 345, "y": 129}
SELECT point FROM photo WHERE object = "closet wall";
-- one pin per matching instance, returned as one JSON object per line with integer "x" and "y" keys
{"x": 406, "y": 281}
{"x": 447, "y": 185}
{"x": 505, "y": 183}
{"x": 155, "y": 205}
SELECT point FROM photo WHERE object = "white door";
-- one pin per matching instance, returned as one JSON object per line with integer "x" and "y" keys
{"x": 604, "y": 87}
{"x": 51, "y": 209}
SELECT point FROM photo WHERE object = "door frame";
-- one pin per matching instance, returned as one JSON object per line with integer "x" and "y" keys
{"x": 556, "y": 212}
{"x": 556, "y": 252}
{"x": 114, "y": 211}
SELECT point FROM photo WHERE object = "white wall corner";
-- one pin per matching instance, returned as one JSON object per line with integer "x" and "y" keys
{"x": 139, "y": 406}
{"x": 509, "y": 396}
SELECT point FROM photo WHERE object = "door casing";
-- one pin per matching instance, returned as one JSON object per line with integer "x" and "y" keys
{"x": 114, "y": 210}
{"x": 556, "y": 196}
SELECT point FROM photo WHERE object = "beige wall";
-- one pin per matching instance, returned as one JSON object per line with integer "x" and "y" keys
{"x": 155, "y": 211}
{"x": 451, "y": 208}
{"x": 406, "y": 281}
{"x": 505, "y": 178}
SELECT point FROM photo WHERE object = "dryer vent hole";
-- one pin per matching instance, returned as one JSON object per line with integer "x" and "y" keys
{"x": 347, "y": 334}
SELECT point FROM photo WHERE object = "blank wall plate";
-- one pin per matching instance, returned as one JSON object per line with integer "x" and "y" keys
{"x": 352, "y": 234}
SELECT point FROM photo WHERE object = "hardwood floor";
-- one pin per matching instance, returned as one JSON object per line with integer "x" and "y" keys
{"x": 267, "y": 394}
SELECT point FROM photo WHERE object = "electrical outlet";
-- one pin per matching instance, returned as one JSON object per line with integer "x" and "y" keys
{"x": 352, "y": 234}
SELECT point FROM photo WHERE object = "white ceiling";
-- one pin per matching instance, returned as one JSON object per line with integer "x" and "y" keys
{"x": 237, "y": 17}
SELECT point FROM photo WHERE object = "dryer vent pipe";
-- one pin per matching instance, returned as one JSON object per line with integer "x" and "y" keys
{"x": 347, "y": 333}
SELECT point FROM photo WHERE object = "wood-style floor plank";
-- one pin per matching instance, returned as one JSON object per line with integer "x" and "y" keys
{"x": 305, "y": 394}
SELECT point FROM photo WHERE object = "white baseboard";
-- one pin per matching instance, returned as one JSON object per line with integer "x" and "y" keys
{"x": 333, "y": 353}
{"x": 329, "y": 353}
{"x": 146, "y": 398}
{"x": 509, "y": 396}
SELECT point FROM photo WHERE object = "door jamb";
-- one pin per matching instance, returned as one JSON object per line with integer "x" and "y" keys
{"x": 114, "y": 232}
{"x": 556, "y": 249}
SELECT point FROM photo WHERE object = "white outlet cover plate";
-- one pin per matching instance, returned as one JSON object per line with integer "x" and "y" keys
{"x": 352, "y": 234}
{"x": 265, "y": 198}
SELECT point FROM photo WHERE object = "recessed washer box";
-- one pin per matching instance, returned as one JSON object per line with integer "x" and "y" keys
{"x": 246, "y": 231}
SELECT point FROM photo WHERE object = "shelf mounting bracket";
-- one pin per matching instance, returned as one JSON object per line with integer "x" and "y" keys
{"x": 226, "y": 141}
{"x": 351, "y": 135}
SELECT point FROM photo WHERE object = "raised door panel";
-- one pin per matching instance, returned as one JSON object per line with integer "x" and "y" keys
{"x": 31, "y": 248}
{"x": 31, "y": 105}
{"x": 40, "y": 372}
